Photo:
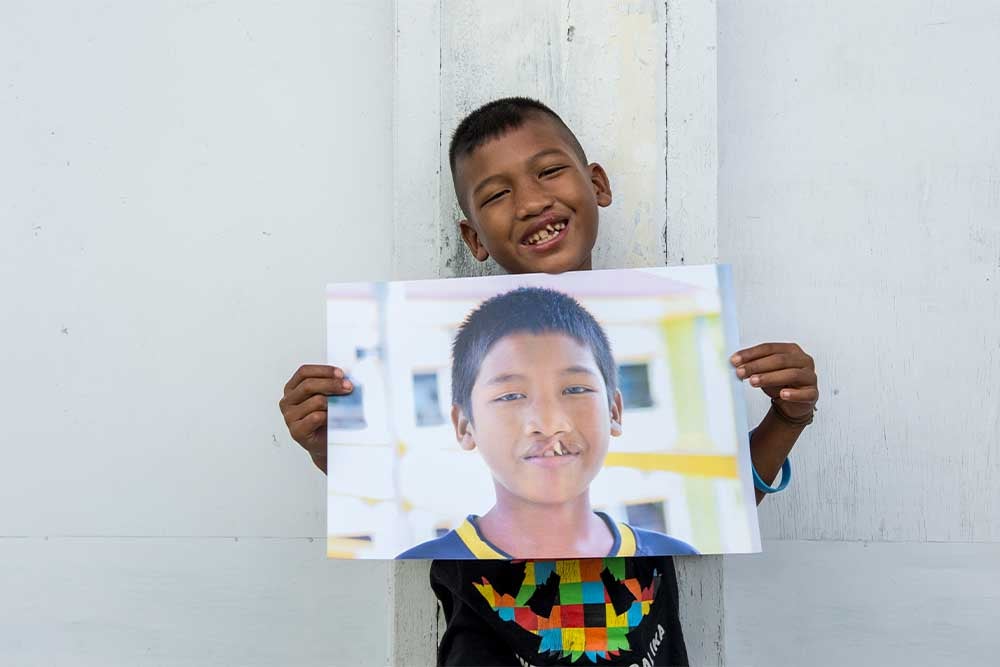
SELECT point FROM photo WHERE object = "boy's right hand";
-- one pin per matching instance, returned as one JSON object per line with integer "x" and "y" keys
{"x": 304, "y": 406}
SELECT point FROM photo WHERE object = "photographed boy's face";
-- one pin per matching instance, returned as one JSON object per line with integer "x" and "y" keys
{"x": 532, "y": 204}
{"x": 542, "y": 417}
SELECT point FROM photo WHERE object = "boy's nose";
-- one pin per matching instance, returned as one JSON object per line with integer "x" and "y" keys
{"x": 546, "y": 417}
{"x": 532, "y": 200}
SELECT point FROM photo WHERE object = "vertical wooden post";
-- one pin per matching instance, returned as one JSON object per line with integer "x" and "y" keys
{"x": 637, "y": 83}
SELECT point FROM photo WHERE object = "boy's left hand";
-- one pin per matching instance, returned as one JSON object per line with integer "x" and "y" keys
{"x": 785, "y": 373}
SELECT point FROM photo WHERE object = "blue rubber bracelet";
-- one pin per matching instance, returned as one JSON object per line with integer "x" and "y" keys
{"x": 786, "y": 477}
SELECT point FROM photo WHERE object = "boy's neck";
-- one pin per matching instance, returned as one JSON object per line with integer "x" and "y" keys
{"x": 530, "y": 530}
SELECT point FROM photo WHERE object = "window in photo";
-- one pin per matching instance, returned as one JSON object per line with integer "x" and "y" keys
{"x": 426, "y": 403}
{"x": 649, "y": 515}
{"x": 633, "y": 380}
{"x": 347, "y": 412}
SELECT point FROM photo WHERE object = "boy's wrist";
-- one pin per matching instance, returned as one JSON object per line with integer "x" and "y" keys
{"x": 799, "y": 420}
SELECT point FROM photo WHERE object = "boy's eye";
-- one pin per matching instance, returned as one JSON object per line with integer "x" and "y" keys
{"x": 578, "y": 390}
{"x": 552, "y": 170}
{"x": 509, "y": 397}
{"x": 494, "y": 197}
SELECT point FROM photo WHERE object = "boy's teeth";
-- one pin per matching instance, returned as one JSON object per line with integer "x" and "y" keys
{"x": 540, "y": 236}
{"x": 544, "y": 234}
{"x": 558, "y": 450}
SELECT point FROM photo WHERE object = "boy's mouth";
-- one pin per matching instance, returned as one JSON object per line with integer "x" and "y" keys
{"x": 552, "y": 451}
{"x": 545, "y": 233}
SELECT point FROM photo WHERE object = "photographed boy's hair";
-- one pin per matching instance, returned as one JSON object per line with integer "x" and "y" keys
{"x": 498, "y": 117}
{"x": 535, "y": 310}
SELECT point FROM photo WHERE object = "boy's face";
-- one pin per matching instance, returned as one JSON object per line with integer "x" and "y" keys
{"x": 532, "y": 203}
{"x": 542, "y": 417}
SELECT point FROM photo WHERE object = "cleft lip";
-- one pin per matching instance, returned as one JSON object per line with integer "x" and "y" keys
{"x": 542, "y": 447}
{"x": 542, "y": 223}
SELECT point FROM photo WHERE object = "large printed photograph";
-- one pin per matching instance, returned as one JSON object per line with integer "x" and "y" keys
{"x": 580, "y": 415}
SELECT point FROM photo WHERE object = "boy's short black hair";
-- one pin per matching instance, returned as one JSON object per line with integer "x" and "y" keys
{"x": 535, "y": 310}
{"x": 495, "y": 118}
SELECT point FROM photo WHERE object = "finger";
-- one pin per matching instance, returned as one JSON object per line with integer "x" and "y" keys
{"x": 305, "y": 427}
{"x": 312, "y": 371}
{"x": 316, "y": 403}
{"x": 788, "y": 377}
{"x": 774, "y": 362}
{"x": 309, "y": 388}
{"x": 762, "y": 350}
{"x": 802, "y": 395}
{"x": 313, "y": 386}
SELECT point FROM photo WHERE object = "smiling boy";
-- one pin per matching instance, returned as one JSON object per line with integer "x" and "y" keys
{"x": 517, "y": 170}
{"x": 534, "y": 386}
{"x": 531, "y": 201}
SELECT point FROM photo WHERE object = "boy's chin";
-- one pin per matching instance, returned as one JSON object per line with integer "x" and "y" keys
{"x": 548, "y": 500}
{"x": 553, "y": 264}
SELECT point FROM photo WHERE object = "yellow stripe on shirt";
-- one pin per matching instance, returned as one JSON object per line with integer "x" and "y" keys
{"x": 479, "y": 548}
{"x": 627, "y": 547}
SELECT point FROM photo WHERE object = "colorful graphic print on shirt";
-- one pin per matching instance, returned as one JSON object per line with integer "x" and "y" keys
{"x": 578, "y": 608}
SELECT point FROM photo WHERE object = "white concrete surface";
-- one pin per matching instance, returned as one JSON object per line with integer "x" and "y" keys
{"x": 175, "y": 177}
{"x": 863, "y": 603}
{"x": 179, "y": 181}
{"x": 860, "y": 206}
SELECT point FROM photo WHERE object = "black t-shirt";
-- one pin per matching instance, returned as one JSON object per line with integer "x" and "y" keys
{"x": 600, "y": 611}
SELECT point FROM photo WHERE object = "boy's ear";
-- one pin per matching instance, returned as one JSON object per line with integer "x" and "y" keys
{"x": 616, "y": 414}
{"x": 602, "y": 186}
{"x": 471, "y": 238}
{"x": 463, "y": 429}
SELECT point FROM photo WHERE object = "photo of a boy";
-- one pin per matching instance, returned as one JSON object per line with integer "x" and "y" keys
{"x": 535, "y": 391}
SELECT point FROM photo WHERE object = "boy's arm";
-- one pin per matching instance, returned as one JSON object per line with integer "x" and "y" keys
{"x": 788, "y": 375}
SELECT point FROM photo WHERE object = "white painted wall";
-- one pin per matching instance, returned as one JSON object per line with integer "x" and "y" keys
{"x": 178, "y": 182}
{"x": 859, "y": 196}
{"x": 174, "y": 178}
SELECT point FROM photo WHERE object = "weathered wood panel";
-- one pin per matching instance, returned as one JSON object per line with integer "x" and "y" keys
{"x": 600, "y": 67}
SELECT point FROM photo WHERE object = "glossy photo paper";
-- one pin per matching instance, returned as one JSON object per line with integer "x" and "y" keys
{"x": 596, "y": 411}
